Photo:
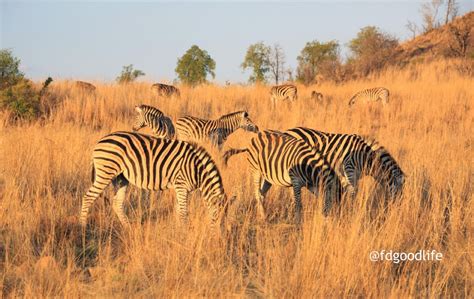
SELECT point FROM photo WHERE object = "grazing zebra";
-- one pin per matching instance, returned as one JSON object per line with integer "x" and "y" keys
{"x": 317, "y": 96}
{"x": 85, "y": 86}
{"x": 283, "y": 92}
{"x": 160, "y": 124}
{"x": 198, "y": 130}
{"x": 371, "y": 95}
{"x": 165, "y": 90}
{"x": 278, "y": 159}
{"x": 154, "y": 164}
{"x": 352, "y": 156}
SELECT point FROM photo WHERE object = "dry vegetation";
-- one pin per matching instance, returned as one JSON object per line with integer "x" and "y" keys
{"x": 428, "y": 127}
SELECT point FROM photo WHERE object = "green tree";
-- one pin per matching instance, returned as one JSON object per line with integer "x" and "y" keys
{"x": 372, "y": 50}
{"x": 315, "y": 59}
{"x": 258, "y": 59}
{"x": 194, "y": 66}
{"x": 129, "y": 74}
{"x": 9, "y": 69}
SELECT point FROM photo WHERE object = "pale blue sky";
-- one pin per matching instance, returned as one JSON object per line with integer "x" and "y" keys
{"x": 92, "y": 40}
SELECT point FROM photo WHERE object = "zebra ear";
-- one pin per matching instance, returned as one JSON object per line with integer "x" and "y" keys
{"x": 138, "y": 108}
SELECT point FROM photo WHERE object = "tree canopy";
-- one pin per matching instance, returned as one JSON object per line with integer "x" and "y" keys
{"x": 194, "y": 66}
{"x": 316, "y": 58}
{"x": 129, "y": 74}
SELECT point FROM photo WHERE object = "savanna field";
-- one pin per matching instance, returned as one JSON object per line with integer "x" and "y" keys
{"x": 45, "y": 169}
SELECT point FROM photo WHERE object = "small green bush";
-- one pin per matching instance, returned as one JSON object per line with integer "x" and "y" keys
{"x": 21, "y": 99}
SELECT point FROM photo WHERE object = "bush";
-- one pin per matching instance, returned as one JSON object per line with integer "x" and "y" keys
{"x": 21, "y": 100}
{"x": 129, "y": 74}
{"x": 372, "y": 50}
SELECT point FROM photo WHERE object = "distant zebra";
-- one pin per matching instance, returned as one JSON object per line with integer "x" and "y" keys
{"x": 160, "y": 124}
{"x": 317, "y": 96}
{"x": 154, "y": 164}
{"x": 199, "y": 130}
{"x": 283, "y": 92}
{"x": 371, "y": 95}
{"x": 165, "y": 90}
{"x": 352, "y": 156}
{"x": 85, "y": 86}
{"x": 278, "y": 159}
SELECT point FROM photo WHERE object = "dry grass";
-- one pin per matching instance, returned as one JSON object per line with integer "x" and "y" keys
{"x": 428, "y": 127}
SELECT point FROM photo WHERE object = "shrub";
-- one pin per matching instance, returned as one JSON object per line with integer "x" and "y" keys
{"x": 21, "y": 100}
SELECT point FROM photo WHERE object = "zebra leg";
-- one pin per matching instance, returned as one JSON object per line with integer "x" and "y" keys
{"x": 349, "y": 178}
{"x": 258, "y": 195}
{"x": 101, "y": 181}
{"x": 121, "y": 184}
{"x": 297, "y": 196}
{"x": 182, "y": 212}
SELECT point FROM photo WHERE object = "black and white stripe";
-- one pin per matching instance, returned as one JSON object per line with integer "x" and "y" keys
{"x": 160, "y": 124}
{"x": 283, "y": 92}
{"x": 352, "y": 156}
{"x": 165, "y": 90}
{"x": 279, "y": 159}
{"x": 154, "y": 164}
{"x": 196, "y": 129}
{"x": 371, "y": 95}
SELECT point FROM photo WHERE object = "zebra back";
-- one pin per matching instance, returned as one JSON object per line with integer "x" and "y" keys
{"x": 371, "y": 95}
{"x": 284, "y": 92}
{"x": 161, "y": 125}
{"x": 165, "y": 89}
{"x": 217, "y": 131}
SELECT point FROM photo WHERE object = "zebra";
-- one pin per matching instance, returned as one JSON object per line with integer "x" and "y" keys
{"x": 154, "y": 164}
{"x": 283, "y": 92}
{"x": 279, "y": 159}
{"x": 317, "y": 96}
{"x": 85, "y": 86}
{"x": 165, "y": 90}
{"x": 371, "y": 95}
{"x": 161, "y": 125}
{"x": 198, "y": 130}
{"x": 352, "y": 156}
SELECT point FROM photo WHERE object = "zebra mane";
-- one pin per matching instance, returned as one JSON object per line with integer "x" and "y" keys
{"x": 231, "y": 115}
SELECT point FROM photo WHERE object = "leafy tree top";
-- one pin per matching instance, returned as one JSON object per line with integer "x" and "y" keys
{"x": 194, "y": 66}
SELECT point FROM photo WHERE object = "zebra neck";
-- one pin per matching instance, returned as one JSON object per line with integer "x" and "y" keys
{"x": 227, "y": 126}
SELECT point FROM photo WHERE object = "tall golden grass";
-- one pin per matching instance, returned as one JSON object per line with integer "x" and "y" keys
{"x": 428, "y": 127}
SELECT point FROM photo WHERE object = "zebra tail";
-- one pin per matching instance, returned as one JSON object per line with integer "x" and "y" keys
{"x": 231, "y": 152}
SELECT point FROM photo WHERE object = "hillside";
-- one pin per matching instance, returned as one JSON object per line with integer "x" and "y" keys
{"x": 437, "y": 43}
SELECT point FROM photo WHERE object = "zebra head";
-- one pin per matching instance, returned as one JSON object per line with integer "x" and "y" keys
{"x": 247, "y": 124}
{"x": 140, "y": 119}
{"x": 145, "y": 116}
{"x": 389, "y": 174}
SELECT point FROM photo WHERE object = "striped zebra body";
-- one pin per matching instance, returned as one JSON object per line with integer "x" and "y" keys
{"x": 165, "y": 90}
{"x": 161, "y": 125}
{"x": 371, "y": 95}
{"x": 196, "y": 129}
{"x": 352, "y": 156}
{"x": 283, "y": 92}
{"x": 85, "y": 86}
{"x": 279, "y": 159}
{"x": 154, "y": 164}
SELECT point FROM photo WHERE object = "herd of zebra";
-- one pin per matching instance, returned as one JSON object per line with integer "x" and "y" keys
{"x": 173, "y": 158}
{"x": 278, "y": 93}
